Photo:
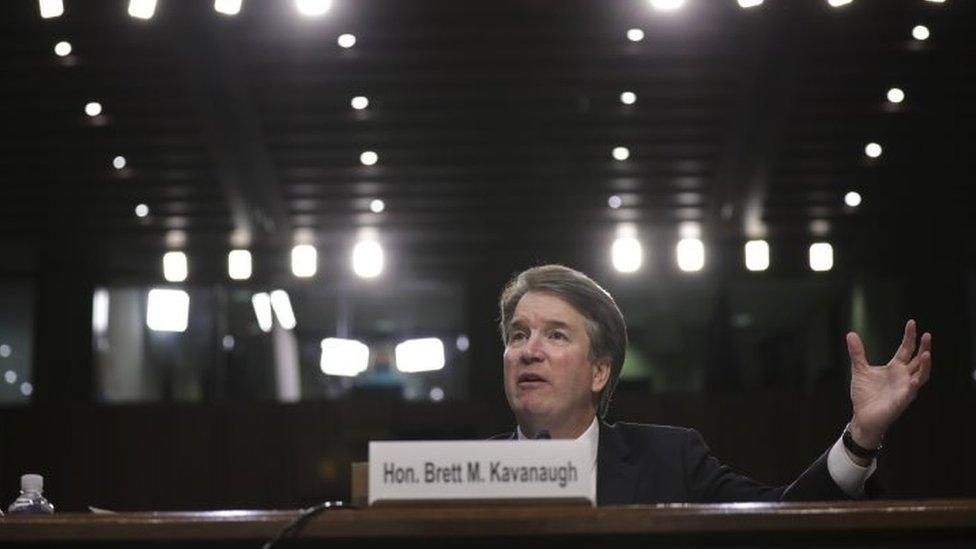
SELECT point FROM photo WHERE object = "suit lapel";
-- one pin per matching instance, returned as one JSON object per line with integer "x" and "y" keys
{"x": 616, "y": 473}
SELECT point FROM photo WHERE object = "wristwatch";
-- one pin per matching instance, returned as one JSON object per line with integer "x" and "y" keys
{"x": 856, "y": 448}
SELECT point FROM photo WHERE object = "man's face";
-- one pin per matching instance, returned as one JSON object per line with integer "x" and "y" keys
{"x": 549, "y": 380}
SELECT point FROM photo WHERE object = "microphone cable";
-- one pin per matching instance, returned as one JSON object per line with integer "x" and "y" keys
{"x": 299, "y": 522}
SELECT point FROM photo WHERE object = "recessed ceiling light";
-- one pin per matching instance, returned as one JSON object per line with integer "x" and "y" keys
{"x": 62, "y": 48}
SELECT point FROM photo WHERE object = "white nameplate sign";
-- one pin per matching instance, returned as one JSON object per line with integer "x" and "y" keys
{"x": 480, "y": 470}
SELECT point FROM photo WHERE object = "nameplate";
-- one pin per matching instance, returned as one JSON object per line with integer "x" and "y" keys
{"x": 537, "y": 470}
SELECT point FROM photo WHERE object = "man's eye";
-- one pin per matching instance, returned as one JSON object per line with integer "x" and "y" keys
{"x": 517, "y": 336}
{"x": 558, "y": 335}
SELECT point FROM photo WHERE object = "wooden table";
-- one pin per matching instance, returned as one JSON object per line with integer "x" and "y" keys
{"x": 926, "y": 523}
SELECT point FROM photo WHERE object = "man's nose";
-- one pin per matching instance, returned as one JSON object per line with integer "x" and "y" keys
{"x": 532, "y": 350}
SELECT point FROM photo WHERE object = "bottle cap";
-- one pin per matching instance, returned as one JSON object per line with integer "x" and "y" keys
{"x": 31, "y": 483}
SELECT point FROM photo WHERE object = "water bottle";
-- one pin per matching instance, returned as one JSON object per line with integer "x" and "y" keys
{"x": 30, "y": 500}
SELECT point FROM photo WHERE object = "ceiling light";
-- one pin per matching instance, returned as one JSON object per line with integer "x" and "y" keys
{"x": 628, "y": 98}
{"x": 873, "y": 150}
{"x": 239, "y": 264}
{"x": 142, "y": 9}
{"x": 852, "y": 199}
{"x": 174, "y": 266}
{"x": 304, "y": 260}
{"x": 93, "y": 108}
{"x": 419, "y": 355}
{"x": 376, "y": 205}
{"x": 167, "y": 310}
{"x": 615, "y": 202}
{"x": 920, "y": 32}
{"x": 359, "y": 102}
{"x": 621, "y": 153}
{"x": 626, "y": 254}
{"x": 821, "y": 256}
{"x": 691, "y": 254}
{"x": 62, "y": 48}
{"x": 367, "y": 259}
{"x": 142, "y": 210}
{"x": 635, "y": 35}
{"x": 368, "y": 158}
{"x": 313, "y": 8}
{"x": 757, "y": 255}
{"x": 227, "y": 7}
{"x": 667, "y": 5}
{"x": 118, "y": 162}
{"x": 346, "y": 40}
{"x": 51, "y": 8}
{"x": 343, "y": 357}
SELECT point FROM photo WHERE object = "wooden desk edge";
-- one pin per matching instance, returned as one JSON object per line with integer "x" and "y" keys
{"x": 440, "y": 522}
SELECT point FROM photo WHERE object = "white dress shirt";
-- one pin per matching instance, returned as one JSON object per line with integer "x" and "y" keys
{"x": 849, "y": 476}
{"x": 592, "y": 437}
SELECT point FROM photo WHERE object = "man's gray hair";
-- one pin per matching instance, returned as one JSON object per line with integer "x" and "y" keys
{"x": 604, "y": 322}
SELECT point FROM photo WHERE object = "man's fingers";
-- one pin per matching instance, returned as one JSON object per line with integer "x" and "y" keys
{"x": 856, "y": 350}
{"x": 907, "y": 347}
{"x": 925, "y": 367}
{"x": 924, "y": 347}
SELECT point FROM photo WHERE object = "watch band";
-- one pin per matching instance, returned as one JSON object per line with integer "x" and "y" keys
{"x": 857, "y": 449}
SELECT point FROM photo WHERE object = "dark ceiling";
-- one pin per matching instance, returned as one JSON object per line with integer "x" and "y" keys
{"x": 494, "y": 122}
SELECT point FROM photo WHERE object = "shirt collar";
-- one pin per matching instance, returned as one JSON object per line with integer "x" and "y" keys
{"x": 591, "y": 434}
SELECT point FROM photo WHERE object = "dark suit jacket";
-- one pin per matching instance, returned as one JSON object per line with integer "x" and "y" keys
{"x": 661, "y": 464}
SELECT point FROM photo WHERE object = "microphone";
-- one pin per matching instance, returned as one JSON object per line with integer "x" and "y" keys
{"x": 543, "y": 435}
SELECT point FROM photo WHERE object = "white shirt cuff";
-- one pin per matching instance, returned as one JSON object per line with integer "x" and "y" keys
{"x": 847, "y": 474}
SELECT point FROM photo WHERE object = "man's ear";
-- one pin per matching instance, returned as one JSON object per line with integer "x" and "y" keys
{"x": 601, "y": 374}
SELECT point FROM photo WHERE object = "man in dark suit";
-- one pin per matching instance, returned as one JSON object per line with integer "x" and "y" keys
{"x": 565, "y": 340}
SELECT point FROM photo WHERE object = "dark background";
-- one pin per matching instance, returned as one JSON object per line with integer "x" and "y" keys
{"x": 494, "y": 124}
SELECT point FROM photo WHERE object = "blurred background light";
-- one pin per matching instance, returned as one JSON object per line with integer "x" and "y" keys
{"x": 304, "y": 260}
{"x": 239, "y": 264}
{"x": 821, "y": 256}
{"x": 757, "y": 255}
{"x": 175, "y": 267}
{"x": 51, "y": 8}
{"x": 62, "y": 48}
{"x": 227, "y": 7}
{"x": 626, "y": 254}
{"x": 142, "y": 9}
{"x": 419, "y": 355}
{"x": 343, "y": 357}
{"x": 281, "y": 305}
{"x": 313, "y": 8}
{"x": 368, "y": 158}
{"x": 691, "y": 254}
{"x": 261, "y": 302}
{"x": 167, "y": 310}
{"x": 367, "y": 259}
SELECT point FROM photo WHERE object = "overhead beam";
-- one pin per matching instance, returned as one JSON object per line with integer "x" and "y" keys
{"x": 220, "y": 93}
